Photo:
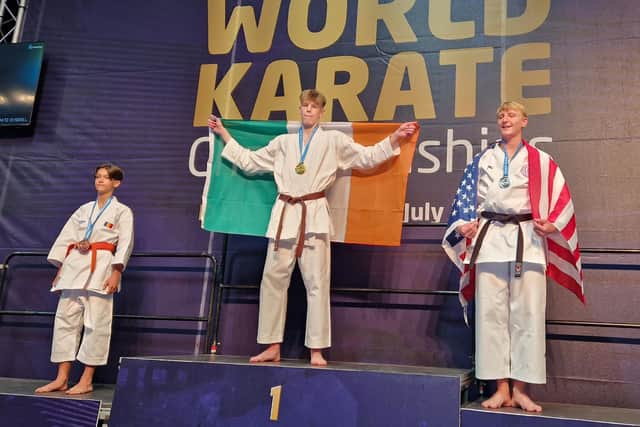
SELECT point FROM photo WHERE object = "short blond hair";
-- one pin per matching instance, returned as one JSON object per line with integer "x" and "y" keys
{"x": 313, "y": 95}
{"x": 511, "y": 105}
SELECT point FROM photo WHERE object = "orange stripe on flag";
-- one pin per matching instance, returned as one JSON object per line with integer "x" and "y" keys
{"x": 376, "y": 204}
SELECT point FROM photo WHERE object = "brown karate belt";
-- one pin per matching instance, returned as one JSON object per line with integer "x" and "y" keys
{"x": 292, "y": 201}
{"x": 505, "y": 219}
{"x": 94, "y": 248}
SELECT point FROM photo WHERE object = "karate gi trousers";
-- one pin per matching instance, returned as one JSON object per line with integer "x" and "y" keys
{"x": 78, "y": 309}
{"x": 510, "y": 322}
{"x": 315, "y": 266}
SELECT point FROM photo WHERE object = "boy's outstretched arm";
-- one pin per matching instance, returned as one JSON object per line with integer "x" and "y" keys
{"x": 404, "y": 131}
{"x": 216, "y": 126}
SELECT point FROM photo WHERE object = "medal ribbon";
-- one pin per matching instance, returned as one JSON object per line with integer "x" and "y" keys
{"x": 303, "y": 153}
{"x": 505, "y": 165}
{"x": 87, "y": 233}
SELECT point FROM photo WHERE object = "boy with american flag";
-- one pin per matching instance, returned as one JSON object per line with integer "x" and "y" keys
{"x": 512, "y": 222}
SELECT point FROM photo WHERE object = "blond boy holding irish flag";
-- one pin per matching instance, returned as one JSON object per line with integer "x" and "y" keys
{"x": 304, "y": 166}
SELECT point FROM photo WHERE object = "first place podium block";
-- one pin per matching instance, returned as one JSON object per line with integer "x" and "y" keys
{"x": 228, "y": 391}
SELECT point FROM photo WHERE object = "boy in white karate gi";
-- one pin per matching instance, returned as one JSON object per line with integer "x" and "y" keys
{"x": 90, "y": 252}
{"x": 511, "y": 223}
{"x": 304, "y": 165}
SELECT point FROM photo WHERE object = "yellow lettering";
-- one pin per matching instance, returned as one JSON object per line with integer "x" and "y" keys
{"x": 334, "y": 25}
{"x": 276, "y": 393}
{"x": 267, "y": 101}
{"x": 419, "y": 95}
{"x": 497, "y": 23}
{"x": 391, "y": 13}
{"x": 345, "y": 93}
{"x": 443, "y": 27}
{"x": 466, "y": 61}
{"x": 210, "y": 93}
{"x": 514, "y": 78}
{"x": 259, "y": 36}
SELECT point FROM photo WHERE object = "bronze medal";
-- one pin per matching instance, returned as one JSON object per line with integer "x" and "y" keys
{"x": 300, "y": 168}
{"x": 83, "y": 245}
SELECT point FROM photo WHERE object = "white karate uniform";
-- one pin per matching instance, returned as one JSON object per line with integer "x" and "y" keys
{"x": 83, "y": 300}
{"x": 329, "y": 152}
{"x": 510, "y": 311}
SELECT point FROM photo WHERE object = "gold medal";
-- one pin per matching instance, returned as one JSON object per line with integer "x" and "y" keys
{"x": 300, "y": 168}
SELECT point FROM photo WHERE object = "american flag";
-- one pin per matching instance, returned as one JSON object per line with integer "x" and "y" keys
{"x": 550, "y": 199}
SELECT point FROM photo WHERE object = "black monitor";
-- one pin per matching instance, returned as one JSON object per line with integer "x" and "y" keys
{"x": 20, "y": 65}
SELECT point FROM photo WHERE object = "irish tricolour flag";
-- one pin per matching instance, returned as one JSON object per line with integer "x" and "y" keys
{"x": 366, "y": 207}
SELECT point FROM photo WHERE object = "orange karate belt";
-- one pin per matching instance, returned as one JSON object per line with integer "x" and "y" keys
{"x": 292, "y": 201}
{"x": 94, "y": 248}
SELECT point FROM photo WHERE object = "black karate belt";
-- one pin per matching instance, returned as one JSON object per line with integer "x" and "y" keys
{"x": 505, "y": 219}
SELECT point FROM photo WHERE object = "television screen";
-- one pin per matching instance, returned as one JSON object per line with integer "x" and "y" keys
{"x": 20, "y": 65}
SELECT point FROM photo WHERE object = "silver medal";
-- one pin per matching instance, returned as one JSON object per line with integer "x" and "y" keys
{"x": 504, "y": 182}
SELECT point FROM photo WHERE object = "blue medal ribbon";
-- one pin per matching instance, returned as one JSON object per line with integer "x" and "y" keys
{"x": 504, "y": 181}
{"x": 303, "y": 152}
{"x": 87, "y": 233}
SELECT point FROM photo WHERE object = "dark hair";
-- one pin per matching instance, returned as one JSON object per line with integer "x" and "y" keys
{"x": 115, "y": 172}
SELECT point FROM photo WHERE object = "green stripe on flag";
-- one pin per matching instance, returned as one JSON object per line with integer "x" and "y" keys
{"x": 237, "y": 203}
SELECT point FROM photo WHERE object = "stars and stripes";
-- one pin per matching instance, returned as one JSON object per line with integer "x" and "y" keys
{"x": 550, "y": 199}
{"x": 463, "y": 210}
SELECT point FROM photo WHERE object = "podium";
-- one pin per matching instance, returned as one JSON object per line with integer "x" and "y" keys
{"x": 21, "y": 407}
{"x": 210, "y": 390}
{"x": 552, "y": 415}
{"x": 213, "y": 390}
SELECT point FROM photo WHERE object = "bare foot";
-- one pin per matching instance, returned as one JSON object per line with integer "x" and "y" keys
{"x": 271, "y": 354}
{"x": 498, "y": 400}
{"x": 523, "y": 401}
{"x": 80, "y": 388}
{"x": 55, "y": 385}
{"x": 317, "y": 359}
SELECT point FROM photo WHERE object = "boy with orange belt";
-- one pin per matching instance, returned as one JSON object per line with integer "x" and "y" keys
{"x": 90, "y": 252}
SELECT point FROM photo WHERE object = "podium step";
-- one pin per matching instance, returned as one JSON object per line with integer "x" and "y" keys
{"x": 553, "y": 415}
{"x": 20, "y": 406}
{"x": 230, "y": 391}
